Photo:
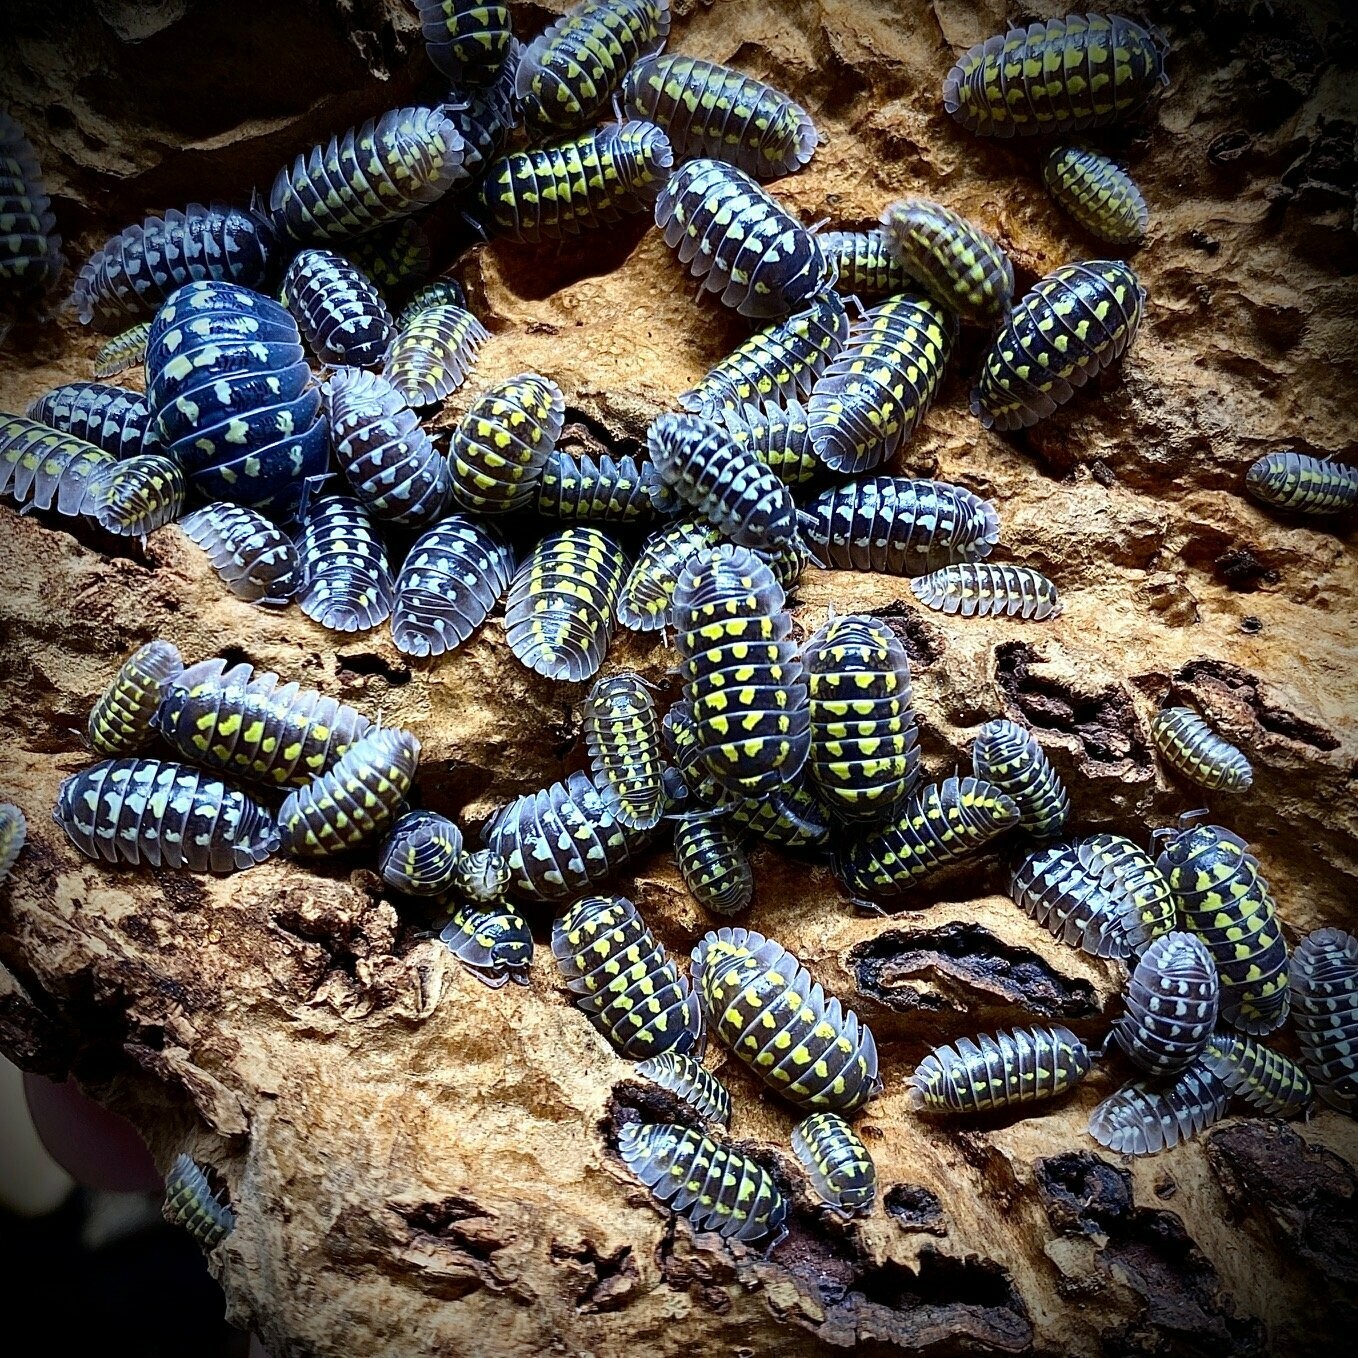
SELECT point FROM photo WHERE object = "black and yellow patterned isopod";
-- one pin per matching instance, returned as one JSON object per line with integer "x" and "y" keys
{"x": 632, "y": 992}
{"x": 136, "y": 496}
{"x": 975, "y": 1075}
{"x": 957, "y": 263}
{"x": 1073, "y": 324}
{"x": 492, "y": 941}
{"x": 1224, "y": 899}
{"x": 742, "y": 678}
{"x": 690, "y": 1081}
{"x": 864, "y": 747}
{"x": 781, "y": 437}
{"x": 837, "y": 1162}
{"x": 1192, "y": 748}
{"x": 1172, "y": 1000}
{"x": 30, "y": 251}
{"x": 1009, "y": 756}
{"x": 985, "y": 589}
{"x": 712, "y": 110}
{"x": 123, "y": 351}
{"x": 1098, "y": 193}
{"x": 163, "y": 814}
{"x": 622, "y": 733}
{"x": 864, "y": 267}
{"x": 1085, "y": 70}
{"x": 1151, "y": 1115}
{"x": 763, "y": 1005}
{"x": 559, "y": 609}
{"x": 420, "y": 856}
{"x": 388, "y": 168}
{"x": 551, "y": 192}
{"x": 644, "y": 603}
{"x": 870, "y": 399}
{"x": 713, "y": 863}
{"x": 941, "y": 822}
{"x": 338, "y": 308}
{"x": 245, "y": 724}
{"x": 1268, "y": 1081}
{"x": 1303, "y": 484}
{"x": 355, "y": 800}
{"x": 1324, "y": 982}
{"x": 568, "y": 72}
{"x": 466, "y": 40}
{"x": 582, "y": 488}
{"x": 716, "y": 1188}
{"x": 1124, "y": 867}
{"x": 740, "y": 241}
{"x": 121, "y": 719}
{"x": 191, "y": 1203}
{"x": 775, "y": 364}
{"x": 500, "y": 446}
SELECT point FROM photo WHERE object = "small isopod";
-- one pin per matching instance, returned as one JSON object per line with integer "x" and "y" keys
{"x": 13, "y": 835}
{"x": 1191, "y": 747}
{"x": 692, "y": 1082}
{"x": 1098, "y": 193}
{"x": 1009, "y": 756}
{"x": 975, "y": 1075}
{"x": 257, "y": 561}
{"x": 1303, "y": 484}
{"x": 136, "y": 496}
{"x": 346, "y": 583}
{"x": 622, "y": 734}
{"x": 1147, "y": 1116}
{"x": 1324, "y": 982}
{"x": 985, "y": 589}
{"x": 1172, "y": 1001}
{"x": 121, "y": 719}
{"x": 956, "y": 262}
{"x": 1272, "y": 1083}
{"x": 713, "y": 864}
{"x": 500, "y": 447}
{"x": 191, "y": 1203}
{"x": 419, "y": 857}
{"x": 837, "y": 1162}
{"x": 338, "y": 309}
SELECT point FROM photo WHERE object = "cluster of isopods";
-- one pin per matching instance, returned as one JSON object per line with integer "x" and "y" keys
{"x": 772, "y": 461}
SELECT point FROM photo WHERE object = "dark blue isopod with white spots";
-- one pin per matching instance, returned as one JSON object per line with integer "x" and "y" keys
{"x": 346, "y": 582}
{"x": 453, "y": 575}
{"x": 135, "y": 271}
{"x": 257, "y": 561}
{"x": 740, "y": 241}
{"x": 1172, "y": 1001}
{"x": 383, "y": 450}
{"x": 723, "y": 480}
{"x": 338, "y": 309}
{"x": 115, "y": 419}
{"x": 561, "y": 840}
{"x": 163, "y": 814}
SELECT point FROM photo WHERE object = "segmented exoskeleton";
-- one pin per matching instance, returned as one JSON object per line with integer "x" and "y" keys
{"x": 1147, "y": 1116}
{"x": 42, "y": 468}
{"x": 1009, "y": 756}
{"x": 864, "y": 746}
{"x": 762, "y": 1003}
{"x": 30, "y": 251}
{"x": 388, "y": 168}
{"x": 865, "y": 268}
{"x": 956, "y": 262}
{"x": 383, "y": 450}
{"x": 121, "y": 721}
{"x": 559, "y": 609}
{"x": 1073, "y": 324}
{"x": 742, "y": 679}
{"x": 421, "y": 853}
{"x": 975, "y": 1075}
{"x": 622, "y": 733}
{"x": 1060, "y": 76}
{"x": 499, "y": 448}
{"x": 692, "y": 1082}
{"x": 452, "y": 577}
{"x": 1098, "y": 193}
{"x": 1272, "y": 1083}
{"x": 112, "y": 418}
{"x": 837, "y": 1162}
{"x": 163, "y": 814}
{"x": 869, "y": 401}
{"x": 1191, "y": 747}
{"x": 492, "y": 941}
{"x": 712, "y": 862}
{"x": 775, "y": 364}
{"x": 355, "y": 800}
{"x": 134, "y": 271}
{"x": 136, "y": 496}
{"x": 599, "y": 178}
{"x": 740, "y": 241}
{"x": 338, "y": 308}
{"x": 191, "y": 1203}
{"x": 432, "y": 351}
{"x": 1324, "y": 983}
{"x": 644, "y": 603}
{"x": 1303, "y": 484}
{"x": 561, "y": 840}
{"x": 984, "y": 589}
{"x": 632, "y": 993}
{"x": 1224, "y": 899}
{"x": 257, "y": 561}
{"x": 900, "y": 526}
{"x": 580, "y": 488}
{"x": 246, "y": 724}
{"x": 13, "y": 835}
{"x": 346, "y": 582}
{"x": 1172, "y": 1000}
{"x": 939, "y": 823}
{"x": 712, "y": 110}
{"x": 677, "y": 1164}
